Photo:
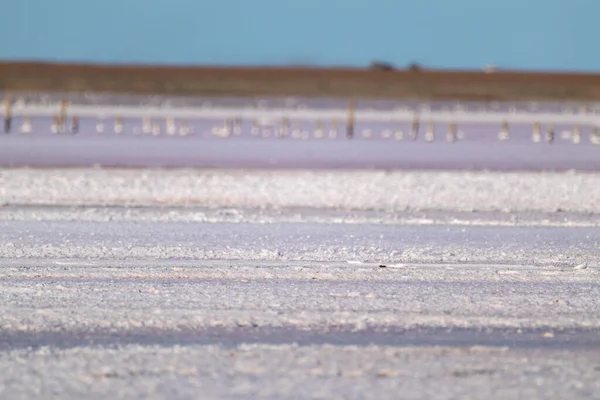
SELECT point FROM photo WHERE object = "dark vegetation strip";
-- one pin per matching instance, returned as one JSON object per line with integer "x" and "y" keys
{"x": 310, "y": 82}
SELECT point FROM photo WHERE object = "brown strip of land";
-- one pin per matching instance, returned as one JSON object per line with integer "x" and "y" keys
{"x": 311, "y": 82}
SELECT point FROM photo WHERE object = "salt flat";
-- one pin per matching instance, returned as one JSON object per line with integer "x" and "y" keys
{"x": 299, "y": 284}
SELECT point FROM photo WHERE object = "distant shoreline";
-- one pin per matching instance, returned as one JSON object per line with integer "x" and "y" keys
{"x": 377, "y": 82}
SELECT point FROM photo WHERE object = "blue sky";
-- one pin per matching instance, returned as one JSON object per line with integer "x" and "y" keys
{"x": 530, "y": 34}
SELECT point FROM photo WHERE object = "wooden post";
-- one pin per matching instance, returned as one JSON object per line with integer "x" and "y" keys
{"x": 7, "y": 113}
{"x": 414, "y": 131}
{"x": 351, "y": 119}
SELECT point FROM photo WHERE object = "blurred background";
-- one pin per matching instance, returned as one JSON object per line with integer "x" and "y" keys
{"x": 461, "y": 34}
